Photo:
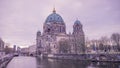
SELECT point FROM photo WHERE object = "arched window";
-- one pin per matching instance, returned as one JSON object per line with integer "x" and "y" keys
{"x": 59, "y": 29}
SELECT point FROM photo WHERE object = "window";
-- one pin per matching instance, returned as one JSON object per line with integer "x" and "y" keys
{"x": 60, "y": 29}
{"x": 48, "y": 30}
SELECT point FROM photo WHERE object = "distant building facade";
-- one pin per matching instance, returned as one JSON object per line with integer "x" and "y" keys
{"x": 55, "y": 40}
{"x": 32, "y": 50}
{"x": 14, "y": 48}
{"x": 1, "y": 47}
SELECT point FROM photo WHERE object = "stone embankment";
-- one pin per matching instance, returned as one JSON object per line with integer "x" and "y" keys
{"x": 5, "y": 60}
{"x": 86, "y": 57}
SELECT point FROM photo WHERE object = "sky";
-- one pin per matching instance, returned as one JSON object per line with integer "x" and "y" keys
{"x": 21, "y": 19}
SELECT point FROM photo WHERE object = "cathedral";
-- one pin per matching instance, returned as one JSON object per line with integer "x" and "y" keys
{"x": 55, "y": 40}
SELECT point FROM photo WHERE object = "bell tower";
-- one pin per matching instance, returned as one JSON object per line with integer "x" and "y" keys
{"x": 77, "y": 28}
{"x": 78, "y": 36}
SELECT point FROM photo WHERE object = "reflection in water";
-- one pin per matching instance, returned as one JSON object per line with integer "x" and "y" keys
{"x": 57, "y": 63}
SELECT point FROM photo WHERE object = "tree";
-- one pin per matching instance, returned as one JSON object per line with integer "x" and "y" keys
{"x": 104, "y": 40}
{"x": 79, "y": 44}
{"x": 116, "y": 38}
{"x": 101, "y": 46}
{"x": 8, "y": 50}
{"x": 64, "y": 46}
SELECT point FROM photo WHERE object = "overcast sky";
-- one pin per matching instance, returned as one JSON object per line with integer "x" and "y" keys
{"x": 21, "y": 19}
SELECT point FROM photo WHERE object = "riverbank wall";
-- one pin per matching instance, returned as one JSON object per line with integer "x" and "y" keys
{"x": 86, "y": 57}
{"x": 4, "y": 61}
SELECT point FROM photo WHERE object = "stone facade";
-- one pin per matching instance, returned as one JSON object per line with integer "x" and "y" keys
{"x": 55, "y": 40}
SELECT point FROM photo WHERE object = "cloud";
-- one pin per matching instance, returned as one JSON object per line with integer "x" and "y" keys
{"x": 21, "y": 19}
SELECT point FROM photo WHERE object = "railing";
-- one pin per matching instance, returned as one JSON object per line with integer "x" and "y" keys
{"x": 103, "y": 53}
{"x": 4, "y": 60}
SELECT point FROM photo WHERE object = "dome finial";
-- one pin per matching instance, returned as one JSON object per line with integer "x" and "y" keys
{"x": 54, "y": 10}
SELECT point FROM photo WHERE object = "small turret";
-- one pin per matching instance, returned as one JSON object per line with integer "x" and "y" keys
{"x": 38, "y": 33}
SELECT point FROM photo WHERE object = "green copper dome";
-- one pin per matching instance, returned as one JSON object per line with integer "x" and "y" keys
{"x": 54, "y": 17}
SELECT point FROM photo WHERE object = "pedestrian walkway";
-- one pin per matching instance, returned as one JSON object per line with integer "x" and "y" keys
{"x": 22, "y": 62}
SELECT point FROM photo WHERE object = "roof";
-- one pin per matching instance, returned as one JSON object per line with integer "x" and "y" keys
{"x": 54, "y": 17}
{"x": 77, "y": 22}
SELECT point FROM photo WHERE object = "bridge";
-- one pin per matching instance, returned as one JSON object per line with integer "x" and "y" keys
{"x": 104, "y": 56}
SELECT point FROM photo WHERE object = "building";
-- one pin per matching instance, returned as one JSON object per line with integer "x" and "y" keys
{"x": 32, "y": 50}
{"x": 14, "y": 48}
{"x": 24, "y": 51}
{"x": 1, "y": 47}
{"x": 55, "y": 40}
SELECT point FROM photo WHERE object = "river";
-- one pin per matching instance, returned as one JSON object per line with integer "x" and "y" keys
{"x": 32, "y": 62}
